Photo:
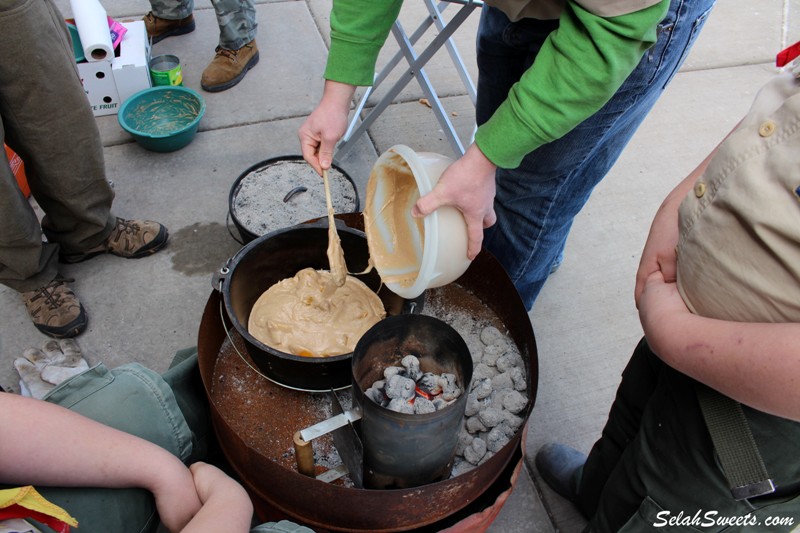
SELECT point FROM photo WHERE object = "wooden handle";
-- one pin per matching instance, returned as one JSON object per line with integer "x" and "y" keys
{"x": 304, "y": 452}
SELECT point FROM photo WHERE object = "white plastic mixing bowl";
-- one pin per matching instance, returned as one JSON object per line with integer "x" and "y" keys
{"x": 411, "y": 254}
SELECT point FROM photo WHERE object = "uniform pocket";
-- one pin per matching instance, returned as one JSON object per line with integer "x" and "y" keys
{"x": 782, "y": 515}
{"x": 652, "y": 517}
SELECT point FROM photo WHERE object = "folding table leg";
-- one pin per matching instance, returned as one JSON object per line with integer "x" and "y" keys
{"x": 416, "y": 70}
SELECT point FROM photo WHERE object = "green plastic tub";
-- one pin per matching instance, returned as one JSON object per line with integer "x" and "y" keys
{"x": 77, "y": 47}
{"x": 162, "y": 119}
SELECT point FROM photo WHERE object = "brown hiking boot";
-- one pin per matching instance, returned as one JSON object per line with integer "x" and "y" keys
{"x": 159, "y": 29}
{"x": 55, "y": 310}
{"x": 229, "y": 67}
{"x": 131, "y": 239}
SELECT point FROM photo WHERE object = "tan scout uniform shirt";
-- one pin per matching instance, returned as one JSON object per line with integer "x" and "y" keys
{"x": 739, "y": 244}
{"x": 551, "y": 9}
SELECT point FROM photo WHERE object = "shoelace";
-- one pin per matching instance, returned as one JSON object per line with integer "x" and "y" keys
{"x": 48, "y": 293}
{"x": 125, "y": 226}
{"x": 230, "y": 54}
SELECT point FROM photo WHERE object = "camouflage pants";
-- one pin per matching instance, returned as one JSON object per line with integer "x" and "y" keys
{"x": 236, "y": 18}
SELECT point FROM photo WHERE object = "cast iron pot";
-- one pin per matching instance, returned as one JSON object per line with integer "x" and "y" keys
{"x": 279, "y": 255}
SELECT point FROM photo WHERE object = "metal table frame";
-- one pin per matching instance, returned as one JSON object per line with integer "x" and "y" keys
{"x": 416, "y": 70}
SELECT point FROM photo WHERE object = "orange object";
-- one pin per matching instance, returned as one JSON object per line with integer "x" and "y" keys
{"x": 18, "y": 168}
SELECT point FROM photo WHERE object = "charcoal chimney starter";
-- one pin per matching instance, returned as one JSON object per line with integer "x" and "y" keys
{"x": 404, "y": 450}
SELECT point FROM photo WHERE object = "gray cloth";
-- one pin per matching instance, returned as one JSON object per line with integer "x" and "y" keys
{"x": 46, "y": 119}
{"x": 284, "y": 526}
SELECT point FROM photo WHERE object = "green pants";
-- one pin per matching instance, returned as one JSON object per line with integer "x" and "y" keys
{"x": 169, "y": 410}
{"x": 654, "y": 467}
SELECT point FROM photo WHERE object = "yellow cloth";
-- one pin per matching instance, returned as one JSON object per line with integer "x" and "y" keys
{"x": 29, "y": 498}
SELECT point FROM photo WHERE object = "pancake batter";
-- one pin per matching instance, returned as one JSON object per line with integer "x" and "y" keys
{"x": 395, "y": 239}
{"x": 311, "y": 316}
{"x": 335, "y": 251}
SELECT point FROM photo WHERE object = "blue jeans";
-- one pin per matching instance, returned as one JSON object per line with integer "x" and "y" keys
{"x": 537, "y": 202}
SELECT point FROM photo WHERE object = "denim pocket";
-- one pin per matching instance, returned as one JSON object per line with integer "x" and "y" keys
{"x": 676, "y": 35}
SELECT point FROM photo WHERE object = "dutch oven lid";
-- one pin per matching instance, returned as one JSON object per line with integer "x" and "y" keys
{"x": 284, "y": 191}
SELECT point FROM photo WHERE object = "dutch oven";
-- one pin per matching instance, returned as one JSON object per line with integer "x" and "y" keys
{"x": 279, "y": 255}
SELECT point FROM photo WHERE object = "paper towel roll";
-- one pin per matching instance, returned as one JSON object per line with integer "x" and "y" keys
{"x": 92, "y": 22}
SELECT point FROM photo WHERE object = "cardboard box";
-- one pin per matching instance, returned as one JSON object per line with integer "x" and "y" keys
{"x": 109, "y": 83}
{"x": 98, "y": 82}
{"x": 130, "y": 68}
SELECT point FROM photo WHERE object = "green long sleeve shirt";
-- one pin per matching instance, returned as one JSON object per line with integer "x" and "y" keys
{"x": 579, "y": 68}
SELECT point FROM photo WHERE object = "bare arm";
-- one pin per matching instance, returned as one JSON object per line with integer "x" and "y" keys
{"x": 226, "y": 505}
{"x": 659, "y": 254}
{"x": 757, "y": 364}
{"x": 326, "y": 125}
{"x": 45, "y": 444}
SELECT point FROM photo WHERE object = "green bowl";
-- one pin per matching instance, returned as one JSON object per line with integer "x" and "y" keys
{"x": 77, "y": 47}
{"x": 163, "y": 118}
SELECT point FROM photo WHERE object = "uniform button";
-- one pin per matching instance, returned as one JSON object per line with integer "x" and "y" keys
{"x": 767, "y": 129}
{"x": 699, "y": 189}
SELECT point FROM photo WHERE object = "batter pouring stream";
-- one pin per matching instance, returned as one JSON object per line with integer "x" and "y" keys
{"x": 317, "y": 313}
{"x": 335, "y": 253}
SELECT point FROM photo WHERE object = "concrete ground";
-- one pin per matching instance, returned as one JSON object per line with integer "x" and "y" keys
{"x": 585, "y": 321}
